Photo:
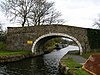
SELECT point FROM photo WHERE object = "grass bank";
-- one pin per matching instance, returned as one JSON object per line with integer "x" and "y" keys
{"x": 71, "y": 67}
{"x": 74, "y": 68}
{"x": 11, "y": 53}
{"x": 12, "y": 56}
{"x": 87, "y": 54}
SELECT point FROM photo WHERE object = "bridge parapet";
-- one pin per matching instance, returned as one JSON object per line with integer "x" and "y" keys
{"x": 43, "y": 27}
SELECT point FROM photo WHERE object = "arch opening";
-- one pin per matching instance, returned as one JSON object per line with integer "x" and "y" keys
{"x": 39, "y": 41}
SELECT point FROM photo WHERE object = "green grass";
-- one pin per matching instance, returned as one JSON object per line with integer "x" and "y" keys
{"x": 81, "y": 72}
{"x": 74, "y": 67}
{"x": 69, "y": 62}
{"x": 11, "y": 53}
{"x": 78, "y": 72}
{"x": 87, "y": 54}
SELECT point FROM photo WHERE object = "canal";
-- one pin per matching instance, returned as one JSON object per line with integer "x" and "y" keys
{"x": 42, "y": 65}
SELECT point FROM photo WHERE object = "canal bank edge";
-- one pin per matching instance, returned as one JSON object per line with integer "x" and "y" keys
{"x": 65, "y": 70}
{"x": 13, "y": 58}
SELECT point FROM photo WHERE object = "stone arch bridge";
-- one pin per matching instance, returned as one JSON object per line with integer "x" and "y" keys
{"x": 34, "y": 37}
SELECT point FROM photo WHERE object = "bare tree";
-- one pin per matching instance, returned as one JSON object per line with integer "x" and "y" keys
{"x": 44, "y": 13}
{"x": 41, "y": 9}
{"x": 18, "y": 9}
{"x": 37, "y": 12}
{"x": 54, "y": 17}
{"x": 97, "y": 23}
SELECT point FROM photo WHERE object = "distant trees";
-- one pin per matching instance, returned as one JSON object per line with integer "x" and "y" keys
{"x": 50, "y": 44}
{"x": 1, "y": 29}
{"x": 0, "y": 26}
{"x": 35, "y": 12}
{"x": 2, "y": 38}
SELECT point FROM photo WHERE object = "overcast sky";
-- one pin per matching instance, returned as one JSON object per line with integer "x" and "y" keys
{"x": 81, "y": 13}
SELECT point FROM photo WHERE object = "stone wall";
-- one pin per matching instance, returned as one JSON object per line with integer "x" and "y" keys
{"x": 17, "y": 37}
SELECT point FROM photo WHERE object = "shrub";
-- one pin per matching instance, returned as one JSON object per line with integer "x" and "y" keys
{"x": 2, "y": 46}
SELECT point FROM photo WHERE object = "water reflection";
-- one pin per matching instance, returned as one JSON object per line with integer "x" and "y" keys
{"x": 43, "y": 65}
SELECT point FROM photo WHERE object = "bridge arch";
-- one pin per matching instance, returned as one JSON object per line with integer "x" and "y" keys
{"x": 50, "y": 35}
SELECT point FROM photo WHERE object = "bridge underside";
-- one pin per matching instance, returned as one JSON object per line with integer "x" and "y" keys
{"x": 39, "y": 43}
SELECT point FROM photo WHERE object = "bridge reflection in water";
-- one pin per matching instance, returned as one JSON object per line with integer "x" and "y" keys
{"x": 43, "y": 65}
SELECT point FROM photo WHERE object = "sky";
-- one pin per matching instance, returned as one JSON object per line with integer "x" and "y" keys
{"x": 80, "y": 13}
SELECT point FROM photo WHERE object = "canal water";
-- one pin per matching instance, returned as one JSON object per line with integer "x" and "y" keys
{"x": 42, "y": 65}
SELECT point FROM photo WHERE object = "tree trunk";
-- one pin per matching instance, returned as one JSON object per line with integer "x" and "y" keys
{"x": 24, "y": 21}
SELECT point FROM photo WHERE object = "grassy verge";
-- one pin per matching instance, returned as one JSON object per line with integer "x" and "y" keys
{"x": 74, "y": 67}
{"x": 78, "y": 72}
{"x": 11, "y": 53}
{"x": 69, "y": 62}
{"x": 87, "y": 54}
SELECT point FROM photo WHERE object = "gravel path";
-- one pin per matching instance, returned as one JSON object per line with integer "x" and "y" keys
{"x": 77, "y": 58}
